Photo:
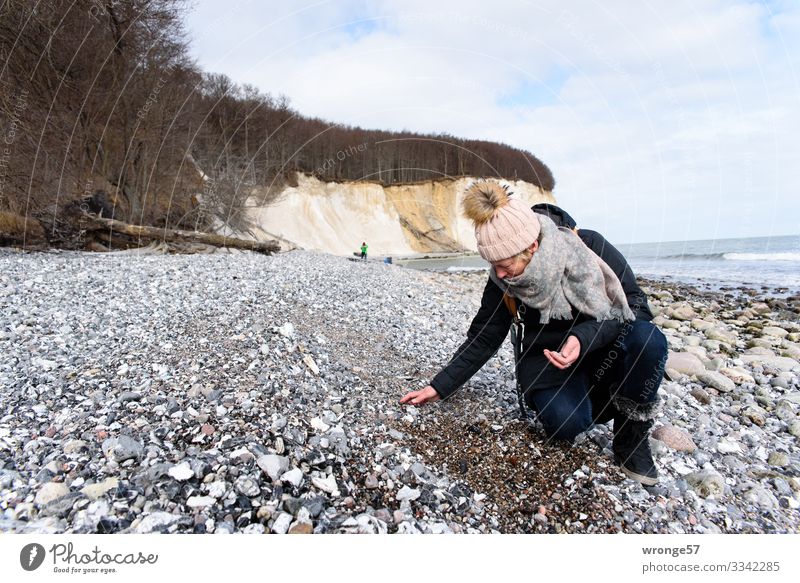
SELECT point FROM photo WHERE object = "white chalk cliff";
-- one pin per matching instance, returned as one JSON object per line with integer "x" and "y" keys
{"x": 335, "y": 217}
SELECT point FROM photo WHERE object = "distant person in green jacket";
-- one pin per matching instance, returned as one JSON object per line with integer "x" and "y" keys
{"x": 364, "y": 251}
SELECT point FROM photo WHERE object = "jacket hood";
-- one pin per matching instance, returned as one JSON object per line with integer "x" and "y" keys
{"x": 556, "y": 214}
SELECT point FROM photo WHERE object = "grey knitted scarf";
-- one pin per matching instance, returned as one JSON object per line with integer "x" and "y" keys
{"x": 564, "y": 274}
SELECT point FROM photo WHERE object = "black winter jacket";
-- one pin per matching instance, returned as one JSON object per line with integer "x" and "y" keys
{"x": 493, "y": 321}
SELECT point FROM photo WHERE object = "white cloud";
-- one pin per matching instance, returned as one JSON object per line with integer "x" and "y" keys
{"x": 659, "y": 121}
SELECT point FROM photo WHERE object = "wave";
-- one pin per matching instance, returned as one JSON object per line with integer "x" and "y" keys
{"x": 454, "y": 268}
{"x": 784, "y": 256}
{"x": 787, "y": 256}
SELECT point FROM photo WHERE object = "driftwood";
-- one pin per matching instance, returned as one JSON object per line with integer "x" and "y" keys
{"x": 94, "y": 223}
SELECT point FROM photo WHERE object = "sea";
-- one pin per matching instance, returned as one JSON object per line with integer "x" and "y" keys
{"x": 771, "y": 264}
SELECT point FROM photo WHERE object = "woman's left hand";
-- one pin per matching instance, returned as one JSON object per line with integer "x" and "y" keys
{"x": 569, "y": 353}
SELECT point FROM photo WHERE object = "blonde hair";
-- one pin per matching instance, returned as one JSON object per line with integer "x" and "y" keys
{"x": 525, "y": 255}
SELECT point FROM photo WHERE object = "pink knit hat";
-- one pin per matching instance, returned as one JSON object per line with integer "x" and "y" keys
{"x": 504, "y": 226}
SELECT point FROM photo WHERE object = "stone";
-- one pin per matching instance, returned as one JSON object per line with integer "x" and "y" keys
{"x": 775, "y": 332}
{"x": 247, "y": 486}
{"x": 716, "y": 380}
{"x": 794, "y": 428}
{"x": 156, "y": 521}
{"x": 791, "y": 351}
{"x": 181, "y": 472}
{"x": 371, "y": 482}
{"x": 707, "y": 483}
{"x": 315, "y": 505}
{"x": 95, "y": 491}
{"x": 701, "y": 325}
{"x": 755, "y": 414}
{"x": 721, "y": 336}
{"x": 712, "y": 346}
{"x": 761, "y": 344}
{"x": 200, "y": 501}
{"x": 75, "y": 446}
{"x": 122, "y": 448}
{"x": 129, "y": 396}
{"x": 407, "y": 493}
{"x": 738, "y": 375}
{"x": 726, "y": 445}
{"x": 699, "y": 352}
{"x": 302, "y": 524}
{"x": 684, "y": 313}
{"x": 762, "y": 498}
{"x": 51, "y": 491}
{"x": 785, "y": 411}
{"x": 319, "y": 425}
{"x": 685, "y": 363}
{"x": 674, "y": 438}
{"x": 293, "y": 477}
{"x": 760, "y": 308}
{"x": 778, "y": 362}
{"x": 273, "y": 465}
{"x": 217, "y": 489}
{"x": 301, "y": 528}
{"x": 309, "y": 362}
{"x": 778, "y": 459}
{"x": 664, "y": 296}
{"x": 327, "y": 484}
{"x": 287, "y": 330}
{"x": 760, "y": 350}
{"x": 282, "y": 523}
{"x": 701, "y": 395}
{"x": 793, "y": 397}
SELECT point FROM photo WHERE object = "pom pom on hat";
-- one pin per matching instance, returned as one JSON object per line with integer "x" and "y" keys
{"x": 483, "y": 199}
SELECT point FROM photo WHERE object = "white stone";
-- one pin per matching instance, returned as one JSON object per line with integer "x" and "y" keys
{"x": 681, "y": 468}
{"x": 311, "y": 364}
{"x": 726, "y": 445}
{"x": 282, "y": 523}
{"x": 181, "y": 472}
{"x": 327, "y": 484}
{"x": 293, "y": 477}
{"x": 407, "y": 493}
{"x": 319, "y": 425}
{"x": 241, "y": 453}
{"x": 287, "y": 330}
{"x": 152, "y": 521}
{"x": 217, "y": 489}
{"x": 273, "y": 465}
{"x": 200, "y": 501}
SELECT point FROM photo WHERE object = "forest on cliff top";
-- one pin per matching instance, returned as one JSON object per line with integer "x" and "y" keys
{"x": 101, "y": 101}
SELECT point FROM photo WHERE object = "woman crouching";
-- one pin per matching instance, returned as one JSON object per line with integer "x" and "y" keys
{"x": 589, "y": 352}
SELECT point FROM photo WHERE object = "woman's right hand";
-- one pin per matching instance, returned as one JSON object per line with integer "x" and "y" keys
{"x": 421, "y": 397}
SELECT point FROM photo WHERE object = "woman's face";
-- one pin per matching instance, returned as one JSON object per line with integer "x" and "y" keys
{"x": 514, "y": 266}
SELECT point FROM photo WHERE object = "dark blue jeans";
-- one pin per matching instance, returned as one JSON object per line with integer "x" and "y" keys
{"x": 630, "y": 370}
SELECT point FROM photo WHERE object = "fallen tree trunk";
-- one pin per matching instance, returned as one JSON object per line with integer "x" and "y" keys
{"x": 93, "y": 223}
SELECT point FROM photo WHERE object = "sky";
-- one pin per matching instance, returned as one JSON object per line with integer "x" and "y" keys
{"x": 661, "y": 121}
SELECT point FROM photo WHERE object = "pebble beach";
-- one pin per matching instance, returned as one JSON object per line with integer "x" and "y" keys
{"x": 242, "y": 393}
